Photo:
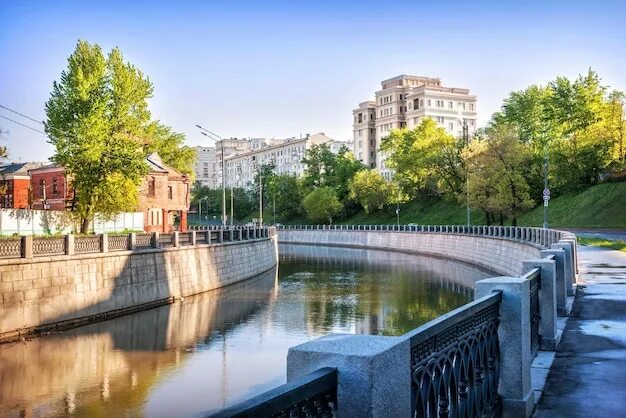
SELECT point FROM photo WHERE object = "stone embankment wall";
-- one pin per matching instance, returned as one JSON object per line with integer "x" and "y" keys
{"x": 60, "y": 291}
{"x": 499, "y": 255}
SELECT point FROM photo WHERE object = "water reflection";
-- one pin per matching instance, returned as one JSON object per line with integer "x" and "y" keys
{"x": 211, "y": 350}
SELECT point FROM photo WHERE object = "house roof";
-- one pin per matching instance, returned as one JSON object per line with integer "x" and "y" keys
{"x": 19, "y": 168}
{"x": 156, "y": 164}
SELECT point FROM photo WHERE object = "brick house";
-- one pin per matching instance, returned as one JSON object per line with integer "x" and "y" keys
{"x": 50, "y": 188}
{"x": 164, "y": 197}
{"x": 15, "y": 185}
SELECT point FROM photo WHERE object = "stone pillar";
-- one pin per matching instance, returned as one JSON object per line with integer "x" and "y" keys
{"x": 569, "y": 265}
{"x": 547, "y": 301}
{"x": 133, "y": 241}
{"x": 155, "y": 240}
{"x": 221, "y": 235}
{"x": 515, "y": 386}
{"x": 374, "y": 373}
{"x": 183, "y": 221}
{"x": 104, "y": 243}
{"x": 27, "y": 246}
{"x": 69, "y": 244}
{"x": 176, "y": 239}
{"x": 193, "y": 238}
{"x": 573, "y": 241}
{"x": 561, "y": 288}
{"x": 208, "y": 233}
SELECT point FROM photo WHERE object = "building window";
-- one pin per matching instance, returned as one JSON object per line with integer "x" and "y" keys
{"x": 429, "y": 103}
{"x": 440, "y": 119}
{"x": 170, "y": 192}
{"x": 151, "y": 187}
{"x": 55, "y": 186}
{"x": 42, "y": 187}
{"x": 472, "y": 106}
{"x": 451, "y": 126}
{"x": 450, "y": 106}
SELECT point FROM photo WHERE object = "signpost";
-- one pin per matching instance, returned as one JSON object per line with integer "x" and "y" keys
{"x": 546, "y": 197}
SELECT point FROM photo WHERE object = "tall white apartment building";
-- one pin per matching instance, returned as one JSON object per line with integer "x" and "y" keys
{"x": 208, "y": 166}
{"x": 403, "y": 102}
{"x": 286, "y": 155}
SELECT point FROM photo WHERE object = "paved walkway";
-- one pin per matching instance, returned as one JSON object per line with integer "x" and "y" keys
{"x": 588, "y": 376}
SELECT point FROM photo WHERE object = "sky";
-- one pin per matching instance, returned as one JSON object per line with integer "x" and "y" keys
{"x": 282, "y": 69}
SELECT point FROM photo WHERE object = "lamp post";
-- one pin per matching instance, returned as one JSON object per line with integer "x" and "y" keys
{"x": 546, "y": 191}
{"x": 200, "y": 207}
{"x": 467, "y": 196}
{"x": 215, "y": 137}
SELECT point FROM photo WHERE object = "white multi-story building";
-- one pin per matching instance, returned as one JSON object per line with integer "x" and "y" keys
{"x": 403, "y": 102}
{"x": 286, "y": 156}
{"x": 208, "y": 166}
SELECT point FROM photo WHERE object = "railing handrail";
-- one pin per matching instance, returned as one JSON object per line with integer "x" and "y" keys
{"x": 284, "y": 397}
{"x": 532, "y": 274}
{"x": 447, "y": 320}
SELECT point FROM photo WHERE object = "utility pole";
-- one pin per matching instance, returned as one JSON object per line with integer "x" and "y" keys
{"x": 274, "y": 208}
{"x": 232, "y": 200}
{"x": 467, "y": 195}
{"x": 260, "y": 197}
{"x": 215, "y": 137}
{"x": 546, "y": 191}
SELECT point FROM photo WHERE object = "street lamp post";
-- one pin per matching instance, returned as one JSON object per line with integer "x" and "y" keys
{"x": 546, "y": 191}
{"x": 215, "y": 137}
{"x": 467, "y": 195}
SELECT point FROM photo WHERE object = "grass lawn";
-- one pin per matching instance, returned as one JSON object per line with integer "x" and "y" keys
{"x": 605, "y": 243}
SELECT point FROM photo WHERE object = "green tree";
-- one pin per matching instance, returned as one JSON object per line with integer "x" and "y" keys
{"x": 95, "y": 114}
{"x": 319, "y": 162}
{"x": 616, "y": 120}
{"x": 285, "y": 193}
{"x": 497, "y": 167}
{"x": 170, "y": 147}
{"x": 322, "y": 204}
{"x": 369, "y": 188}
{"x": 423, "y": 158}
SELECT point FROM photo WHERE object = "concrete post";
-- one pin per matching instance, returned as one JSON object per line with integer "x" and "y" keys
{"x": 104, "y": 243}
{"x": 374, "y": 372}
{"x": 221, "y": 235}
{"x": 27, "y": 246}
{"x": 569, "y": 265}
{"x": 176, "y": 239}
{"x": 574, "y": 242}
{"x": 561, "y": 288}
{"x": 209, "y": 233}
{"x": 69, "y": 244}
{"x": 515, "y": 386}
{"x": 193, "y": 238}
{"x": 547, "y": 301}
{"x": 155, "y": 240}
{"x": 133, "y": 241}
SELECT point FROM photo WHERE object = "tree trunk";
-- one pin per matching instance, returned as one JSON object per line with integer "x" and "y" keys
{"x": 501, "y": 219}
{"x": 84, "y": 225}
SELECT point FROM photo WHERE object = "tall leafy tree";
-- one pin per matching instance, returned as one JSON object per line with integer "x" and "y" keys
{"x": 171, "y": 147}
{"x": 95, "y": 114}
{"x": 319, "y": 164}
{"x": 322, "y": 205}
{"x": 369, "y": 188}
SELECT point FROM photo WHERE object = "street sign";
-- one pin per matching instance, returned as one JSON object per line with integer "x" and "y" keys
{"x": 546, "y": 192}
{"x": 546, "y": 198}
{"x": 545, "y": 202}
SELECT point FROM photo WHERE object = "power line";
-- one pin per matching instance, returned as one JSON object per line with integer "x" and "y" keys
{"x": 21, "y": 124}
{"x": 21, "y": 114}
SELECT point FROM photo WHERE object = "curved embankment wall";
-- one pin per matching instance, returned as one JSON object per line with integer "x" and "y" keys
{"x": 500, "y": 255}
{"x": 48, "y": 293}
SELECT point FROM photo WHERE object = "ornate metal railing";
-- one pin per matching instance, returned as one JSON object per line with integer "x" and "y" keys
{"x": 119, "y": 242}
{"x": 10, "y": 247}
{"x": 312, "y": 395}
{"x": 49, "y": 246}
{"x": 89, "y": 244}
{"x": 143, "y": 241}
{"x": 539, "y": 236}
{"x": 534, "y": 276}
{"x": 455, "y": 362}
{"x": 166, "y": 240}
{"x": 184, "y": 238}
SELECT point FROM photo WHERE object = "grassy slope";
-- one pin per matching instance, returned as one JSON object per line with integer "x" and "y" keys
{"x": 601, "y": 206}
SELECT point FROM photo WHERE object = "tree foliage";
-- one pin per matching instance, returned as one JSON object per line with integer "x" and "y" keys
{"x": 370, "y": 190}
{"x": 171, "y": 147}
{"x": 322, "y": 204}
{"x": 95, "y": 113}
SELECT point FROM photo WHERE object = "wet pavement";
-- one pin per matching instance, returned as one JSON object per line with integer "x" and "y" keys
{"x": 588, "y": 376}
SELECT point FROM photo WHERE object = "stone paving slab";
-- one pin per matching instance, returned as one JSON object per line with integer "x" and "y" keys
{"x": 588, "y": 375}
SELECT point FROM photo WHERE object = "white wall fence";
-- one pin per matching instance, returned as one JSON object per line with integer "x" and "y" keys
{"x": 50, "y": 222}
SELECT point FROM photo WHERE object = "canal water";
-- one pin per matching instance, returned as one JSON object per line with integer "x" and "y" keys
{"x": 208, "y": 351}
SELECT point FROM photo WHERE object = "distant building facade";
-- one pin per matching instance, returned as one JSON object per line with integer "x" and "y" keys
{"x": 50, "y": 188}
{"x": 15, "y": 185}
{"x": 403, "y": 102}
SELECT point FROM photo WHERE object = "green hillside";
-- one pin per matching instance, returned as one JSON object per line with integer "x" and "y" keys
{"x": 601, "y": 206}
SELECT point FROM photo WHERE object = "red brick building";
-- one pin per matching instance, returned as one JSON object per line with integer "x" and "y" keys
{"x": 164, "y": 197}
{"x": 15, "y": 185}
{"x": 50, "y": 188}
{"x": 163, "y": 194}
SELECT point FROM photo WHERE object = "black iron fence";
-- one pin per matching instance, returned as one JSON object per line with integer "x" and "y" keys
{"x": 455, "y": 362}
{"x": 29, "y": 246}
{"x": 539, "y": 236}
{"x": 312, "y": 395}
{"x": 534, "y": 277}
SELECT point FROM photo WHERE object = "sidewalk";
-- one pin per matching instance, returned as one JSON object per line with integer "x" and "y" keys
{"x": 588, "y": 376}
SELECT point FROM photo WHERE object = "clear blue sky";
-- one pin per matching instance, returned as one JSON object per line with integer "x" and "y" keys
{"x": 285, "y": 68}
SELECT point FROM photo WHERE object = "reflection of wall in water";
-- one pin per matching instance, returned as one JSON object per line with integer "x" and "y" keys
{"x": 120, "y": 359}
{"x": 460, "y": 276}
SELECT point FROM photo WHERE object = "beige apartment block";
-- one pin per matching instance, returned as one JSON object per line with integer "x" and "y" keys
{"x": 403, "y": 102}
